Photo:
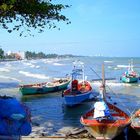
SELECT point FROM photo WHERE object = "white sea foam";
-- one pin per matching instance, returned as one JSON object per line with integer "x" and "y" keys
{"x": 117, "y": 68}
{"x": 110, "y": 67}
{"x": 114, "y": 68}
{"x": 38, "y": 76}
{"x": 106, "y": 61}
{"x": 122, "y": 66}
{"x": 57, "y": 64}
{"x": 109, "y": 83}
{"x": 4, "y": 70}
{"x": 30, "y": 65}
{"x": 27, "y": 64}
{"x": 48, "y": 61}
{"x": 11, "y": 78}
{"x": 37, "y": 67}
{"x": 33, "y": 61}
{"x": 8, "y": 65}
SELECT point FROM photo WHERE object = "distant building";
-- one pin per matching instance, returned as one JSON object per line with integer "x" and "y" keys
{"x": 8, "y": 53}
{"x": 18, "y": 55}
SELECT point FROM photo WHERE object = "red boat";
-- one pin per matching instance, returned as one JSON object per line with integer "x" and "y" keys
{"x": 135, "y": 122}
{"x": 105, "y": 120}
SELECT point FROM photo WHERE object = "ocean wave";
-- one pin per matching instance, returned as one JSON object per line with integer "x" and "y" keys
{"x": 110, "y": 67}
{"x": 38, "y": 76}
{"x": 117, "y": 68}
{"x": 37, "y": 67}
{"x": 4, "y": 70}
{"x": 50, "y": 60}
{"x": 33, "y": 61}
{"x": 57, "y": 64}
{"x": 31, "y": 65}
{"x": 11, "y": 78}
{"x": 97, "y": 83}
{"x": 106, "y": 61}
{"x": 8, "y": 65}
{"x": 122, "y": 66}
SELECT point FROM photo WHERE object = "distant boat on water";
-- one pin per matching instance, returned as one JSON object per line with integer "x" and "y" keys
{"x": 130, "y": 76}
{"x": 80, "y": 89}
{"x": 105, "y": 120}
{"x": 46, "y": 87}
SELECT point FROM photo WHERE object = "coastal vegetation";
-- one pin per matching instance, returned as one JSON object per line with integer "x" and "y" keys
{"x": 25, "y": 15}
{"x": 30, "y": 55}
{"x": 34, "y": 55}
{"x": 1, "y": 53}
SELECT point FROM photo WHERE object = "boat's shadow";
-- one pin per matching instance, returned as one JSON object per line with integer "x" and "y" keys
{"x": 128, "y": 134}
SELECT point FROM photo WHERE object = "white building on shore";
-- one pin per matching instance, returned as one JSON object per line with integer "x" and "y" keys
{"x": 18, "y": 55}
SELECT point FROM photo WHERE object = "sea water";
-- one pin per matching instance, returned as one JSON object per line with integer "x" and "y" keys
{"x": 49, "y": 111}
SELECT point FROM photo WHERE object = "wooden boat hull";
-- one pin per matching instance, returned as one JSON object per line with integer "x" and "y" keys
{"x": 104, "y": 132}
{"x": 106, "y": 129}
{"x": 72, "y": 100}
{"x": 32, "y": 90}
{"x": 135, "y": 122}
{"x": 129, "y": 79}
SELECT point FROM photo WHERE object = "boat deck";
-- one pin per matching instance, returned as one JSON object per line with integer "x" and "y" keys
{"x": 115, "y": 116}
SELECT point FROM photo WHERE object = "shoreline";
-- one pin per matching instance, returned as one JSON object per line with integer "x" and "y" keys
{"x": 75, "y": 133}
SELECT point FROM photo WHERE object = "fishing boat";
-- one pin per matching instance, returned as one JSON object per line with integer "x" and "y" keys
{"x": 80, "y": 89}
{"x": 135, "y": 121}
{"x": 130, "y": 76}
{"x": 46, "y": 87}
{"x": 105, "y": 120}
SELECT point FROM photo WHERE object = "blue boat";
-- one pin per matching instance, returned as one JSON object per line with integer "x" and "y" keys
{"x": 79, "y": 90}
{"x": 130, "y": 76}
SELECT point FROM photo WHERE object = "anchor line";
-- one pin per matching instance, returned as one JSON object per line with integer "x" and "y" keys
{"x": 112, "y": 91}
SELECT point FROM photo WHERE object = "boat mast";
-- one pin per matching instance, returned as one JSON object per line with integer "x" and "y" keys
{"x": 83, "y": 73}
{"x": 132, "y": 65}
{"x": 103, "y": 82}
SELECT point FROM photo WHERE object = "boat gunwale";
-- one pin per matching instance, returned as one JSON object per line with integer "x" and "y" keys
{"x": 41, "y": 85}
{"x": 93, "y": 122}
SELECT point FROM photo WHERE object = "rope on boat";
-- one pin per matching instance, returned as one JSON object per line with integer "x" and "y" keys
{"x": 111, "y": 91}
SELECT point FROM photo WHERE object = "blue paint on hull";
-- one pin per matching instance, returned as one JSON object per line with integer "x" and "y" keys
{"x": 72, "y": 100}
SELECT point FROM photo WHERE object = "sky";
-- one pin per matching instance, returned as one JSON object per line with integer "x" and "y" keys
{"x": 98, "y": 27}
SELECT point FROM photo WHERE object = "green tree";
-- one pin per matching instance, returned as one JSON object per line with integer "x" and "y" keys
{"x": 1, "y": 53}
{"x": 28, "y": 54}
{"x": 41, "y": 55}
{"x": 28, "y": 14}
